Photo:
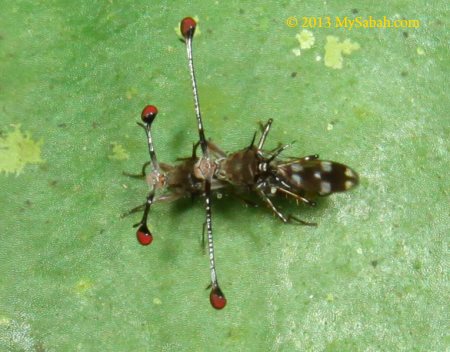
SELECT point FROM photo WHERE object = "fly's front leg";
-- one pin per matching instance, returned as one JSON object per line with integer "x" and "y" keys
{"x": 142, "y": 174}
{"x": 265, "y": 132}
{"x": 137, "y": 209}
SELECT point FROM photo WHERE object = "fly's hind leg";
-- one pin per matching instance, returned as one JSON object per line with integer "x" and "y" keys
{"x": 289, "y": 219}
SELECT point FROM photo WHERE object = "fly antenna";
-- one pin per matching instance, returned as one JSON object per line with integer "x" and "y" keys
{"x": 204, "y": 165}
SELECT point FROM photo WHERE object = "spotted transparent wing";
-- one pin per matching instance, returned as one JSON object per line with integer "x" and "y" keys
{"x": 317, "y": 177}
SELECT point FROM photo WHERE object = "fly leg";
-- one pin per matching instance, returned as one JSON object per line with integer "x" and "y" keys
{"x": 142, "y": 174}
{"x": 289, "y": 219}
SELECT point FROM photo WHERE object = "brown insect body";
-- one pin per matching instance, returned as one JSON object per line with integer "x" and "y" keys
{"x": 255, "y": 170}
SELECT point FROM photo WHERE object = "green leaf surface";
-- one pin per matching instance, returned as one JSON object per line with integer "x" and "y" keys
{"x": 374, "y": 275}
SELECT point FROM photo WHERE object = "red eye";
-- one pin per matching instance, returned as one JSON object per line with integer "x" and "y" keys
{"x": 144, "y": 235}
{"x": 149, "y": 113}
{"x": 217, "y": 298}
{"x": 187, "y": 27}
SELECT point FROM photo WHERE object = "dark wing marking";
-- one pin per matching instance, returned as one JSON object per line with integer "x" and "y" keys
{"x": 317, "y": 177}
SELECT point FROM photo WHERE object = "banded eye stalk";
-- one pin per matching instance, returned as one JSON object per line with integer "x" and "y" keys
{"x": 143, "y": 234}
{"x": 204, "y": 166}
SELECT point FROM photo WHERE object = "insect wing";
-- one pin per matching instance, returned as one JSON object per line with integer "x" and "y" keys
{"x": 317, "y": 177}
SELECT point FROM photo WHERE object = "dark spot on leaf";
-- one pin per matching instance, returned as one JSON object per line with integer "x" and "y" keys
{"x": 404, "y": 73}
{"x": 44, "y": 167}
{"x": 355, "y": 11}
{"x": 62, "y": 125}
{"x": 294, "y": 74}
{"x": 39, "y": 347}
{"x": 241, "y": 11}
{"x": 374, "y": 263}
{"x": 406, "y": 34}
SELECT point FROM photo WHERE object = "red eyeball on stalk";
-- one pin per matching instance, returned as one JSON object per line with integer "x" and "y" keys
{"x": 149, "y": 113}
{"x": 187, "y": 27}
{"x": 217, "y": 298}
{"x": 144, "y": 236}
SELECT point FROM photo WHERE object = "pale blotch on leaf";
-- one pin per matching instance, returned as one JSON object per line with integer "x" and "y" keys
{"x": 131, "y": 93}
{"x": 18, "y": 149}
{"x": 420, "y": 51}
{"x": 4, "y": 320}
{"x": 334, "y": 50}
{"x": 330, "y": 297}
{"x": 296, "y": 51}
{"x": 197, "y": 28}
{"x": 118, "y": 152}
{"x": 157, "y": 301}
{"x": 306, "y": 39}
{"x": 82, "y": 286}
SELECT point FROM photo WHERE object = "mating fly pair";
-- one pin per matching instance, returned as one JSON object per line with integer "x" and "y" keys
{"x": 250, "y": 169}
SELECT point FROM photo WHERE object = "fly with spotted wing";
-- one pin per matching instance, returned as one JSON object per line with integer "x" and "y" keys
{"x": 252, "y": 169}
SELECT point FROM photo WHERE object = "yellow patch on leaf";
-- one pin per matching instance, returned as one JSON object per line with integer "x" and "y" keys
{"x": 17, "y": 149}
{"x": 334, "y": 50}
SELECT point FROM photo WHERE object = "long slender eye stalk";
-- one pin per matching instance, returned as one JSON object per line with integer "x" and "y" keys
{"x": 217, "y": 298}
{"x": 187, "y": 28}
{"x": 148, "y": 115}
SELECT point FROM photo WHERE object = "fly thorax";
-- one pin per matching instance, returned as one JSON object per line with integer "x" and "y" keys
{"x": 157, "y": 180}
{"x": 204, "y": 168}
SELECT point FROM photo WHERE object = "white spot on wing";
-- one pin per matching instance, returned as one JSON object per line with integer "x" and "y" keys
{"x": 349, "y": 173}
{"x": 296, "y": 167}
{"x": 326, "y": 166}
{"x": 317, "y": 174}
{"x": 297, "y": 179}
{"x": 325, "y": 187}
{"x": 348, "y": 184}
